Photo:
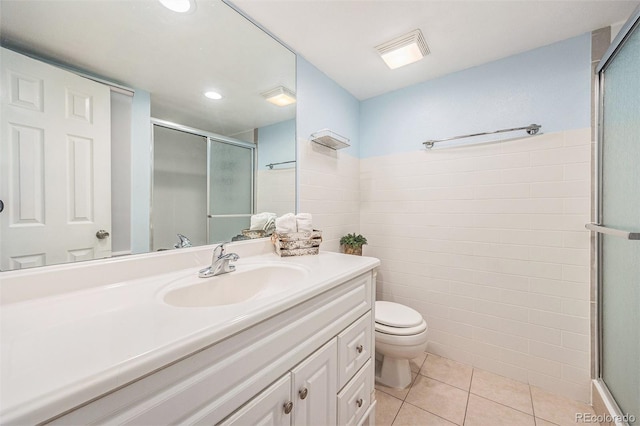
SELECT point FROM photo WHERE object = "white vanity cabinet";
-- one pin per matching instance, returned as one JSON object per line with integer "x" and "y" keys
{"x": 316, "y": 355}
{"x": 305, "y": 396}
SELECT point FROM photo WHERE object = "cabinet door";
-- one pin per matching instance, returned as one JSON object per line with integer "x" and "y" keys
{"x": 315, "y": 387}
{"x": 267, "y": 408}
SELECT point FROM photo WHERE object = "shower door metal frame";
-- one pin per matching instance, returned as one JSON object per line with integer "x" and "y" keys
{"x": 632, "y": 24}
{"x": 216, "y": 138}
{"x": 209, "y": 137}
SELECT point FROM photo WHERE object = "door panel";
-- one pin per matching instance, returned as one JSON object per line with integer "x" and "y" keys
{"x": 55, "y": 152}
{"x": 230, "y": 190}
{"x": 619, "y": 290}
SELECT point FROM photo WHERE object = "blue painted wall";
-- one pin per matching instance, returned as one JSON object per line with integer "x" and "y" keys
{"x": 549, "y": 86}
{"x": 322, "y": 103}
{"x": 277, "y": 143}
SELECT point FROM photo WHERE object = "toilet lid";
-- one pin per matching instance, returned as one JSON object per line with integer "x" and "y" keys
{"x": 397, "y": 315}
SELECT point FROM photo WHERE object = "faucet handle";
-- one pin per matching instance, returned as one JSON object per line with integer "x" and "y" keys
{"x": 221, "y": 248}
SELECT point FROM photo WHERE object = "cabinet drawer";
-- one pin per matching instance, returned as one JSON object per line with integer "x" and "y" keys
{"x": 354, "y": 348}
{"x": 355, "y": 398}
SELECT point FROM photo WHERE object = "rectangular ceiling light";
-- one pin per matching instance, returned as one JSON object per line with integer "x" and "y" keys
{"x": 280, "y": 96}
{"x": 404, "y": 50}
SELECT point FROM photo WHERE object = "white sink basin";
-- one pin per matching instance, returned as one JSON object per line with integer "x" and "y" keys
{"x": 247, "y": 282}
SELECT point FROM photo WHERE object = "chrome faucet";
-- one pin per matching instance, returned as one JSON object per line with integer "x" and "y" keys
{"x": 184, "y": 242}
{"x": 219, "y": 263}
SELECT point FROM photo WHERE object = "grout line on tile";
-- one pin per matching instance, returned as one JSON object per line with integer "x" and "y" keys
{"x": 449, "y": 384}
{"x": 511, "y": 408}
{"x": 533, "y": 408}
{"x": 505, "y": 405}
{"x": 393, "y": 396}
{"x": 466, "y": 407}
{"x": 434, "y": 414}
{"x": 397, "y": 412}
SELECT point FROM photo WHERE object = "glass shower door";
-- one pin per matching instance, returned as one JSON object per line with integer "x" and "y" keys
{"x": 619, "y": 253}
{"x": 230, "y": 189}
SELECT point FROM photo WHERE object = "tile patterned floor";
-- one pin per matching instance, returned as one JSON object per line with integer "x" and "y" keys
{"x": 447, "y": 393}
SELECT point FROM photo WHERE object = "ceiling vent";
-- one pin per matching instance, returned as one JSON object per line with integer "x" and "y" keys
{"x": 403, "y": 50}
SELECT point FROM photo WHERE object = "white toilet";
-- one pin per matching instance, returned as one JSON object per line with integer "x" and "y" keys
{"x": 401, "y": 334}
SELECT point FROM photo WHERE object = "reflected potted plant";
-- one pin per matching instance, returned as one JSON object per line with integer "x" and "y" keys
{"x": 352, "y": 244}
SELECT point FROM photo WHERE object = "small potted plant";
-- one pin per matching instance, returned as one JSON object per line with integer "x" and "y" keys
{"x": 352, "y": 244}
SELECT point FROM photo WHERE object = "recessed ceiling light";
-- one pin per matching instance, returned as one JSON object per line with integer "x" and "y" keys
{"x": 213, "y": 95}
{"x": 280, "y": 96}
{"x": 180, "y": 6}
{"x": 403, "y": 50}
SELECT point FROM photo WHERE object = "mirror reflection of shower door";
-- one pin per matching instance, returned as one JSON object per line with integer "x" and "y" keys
{"x": 619, "y": 258}
{"x": 231, "y": 170}
{"x": 179, "y": 202}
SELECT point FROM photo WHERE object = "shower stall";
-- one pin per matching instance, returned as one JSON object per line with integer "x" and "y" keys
{"x": 617, "y": 226}
{"x": 202, "y": 186}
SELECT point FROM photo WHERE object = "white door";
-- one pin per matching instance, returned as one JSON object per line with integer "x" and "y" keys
{"x": 55, "y": 153}
{"x": 315, "y": 385}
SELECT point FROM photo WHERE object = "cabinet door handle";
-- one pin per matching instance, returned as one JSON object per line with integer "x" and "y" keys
{"x": 359, "y": 349}
{"x": 359, "y": 402}
{"x": 303, "y": 393}
{"x": 288, "y": 406}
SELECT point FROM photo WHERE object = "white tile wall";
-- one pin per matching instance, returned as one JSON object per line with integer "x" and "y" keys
{"x": 486, "y": 241}
{"x": 329, "y": 188}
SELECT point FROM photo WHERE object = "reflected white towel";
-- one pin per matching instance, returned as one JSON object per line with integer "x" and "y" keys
{"x": 260, "y": 220}
{"x": 286, "y": 223}
{"x": 304, "y": 222}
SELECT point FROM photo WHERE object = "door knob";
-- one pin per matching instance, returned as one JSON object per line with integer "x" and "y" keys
{"x": 303, "y": 393}
{"x": 288, "y": 406}
{"x": 102, "y": 234}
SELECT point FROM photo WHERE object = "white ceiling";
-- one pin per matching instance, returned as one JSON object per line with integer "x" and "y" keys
{"x": 338, "y": 37}
{"x": 175, "y": 57}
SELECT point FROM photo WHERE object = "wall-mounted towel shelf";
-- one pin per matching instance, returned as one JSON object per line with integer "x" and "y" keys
{"x": 330, "y": 139}
{"x": 531, "y": 130}
{"x": 270, "y": 165}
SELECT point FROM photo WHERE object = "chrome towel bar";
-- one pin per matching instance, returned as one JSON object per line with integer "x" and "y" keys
{"x": 612, "y": 231}
{"x": 270, "y": 165}
{"x": 531, "y": 129}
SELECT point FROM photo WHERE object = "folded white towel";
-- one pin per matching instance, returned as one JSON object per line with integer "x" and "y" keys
{"x": 286, "y": 223}
{"x": 260, "y": 220}
{"x": 305, "y": 222}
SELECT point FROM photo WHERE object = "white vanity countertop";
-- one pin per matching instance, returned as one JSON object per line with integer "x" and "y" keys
{"x": 62, "y": 350}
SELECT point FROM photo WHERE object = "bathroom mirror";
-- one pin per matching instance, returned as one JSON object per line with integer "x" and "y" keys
{"x": 156, "y": 65}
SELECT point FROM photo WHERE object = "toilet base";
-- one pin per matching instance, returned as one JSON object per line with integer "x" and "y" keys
{"x": 394, "y": 373}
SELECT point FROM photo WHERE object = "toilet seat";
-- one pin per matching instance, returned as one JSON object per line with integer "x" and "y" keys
{"x": 401, "y": 331}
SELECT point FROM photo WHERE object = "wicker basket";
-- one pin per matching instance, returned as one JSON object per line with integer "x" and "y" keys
{"x": 297, "y": 243}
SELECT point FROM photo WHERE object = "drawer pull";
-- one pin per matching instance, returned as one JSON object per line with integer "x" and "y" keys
{"x": 288, "y": 406}
{"x": 359, "y": 402}
{"x": 303, "y": 393}
{"x": 359, "y": 349}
